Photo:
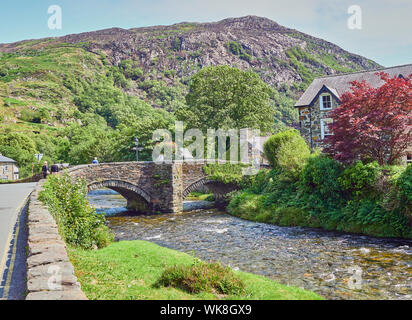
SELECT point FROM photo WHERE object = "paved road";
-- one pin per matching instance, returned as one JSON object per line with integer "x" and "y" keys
{"x": 12, "y": 198}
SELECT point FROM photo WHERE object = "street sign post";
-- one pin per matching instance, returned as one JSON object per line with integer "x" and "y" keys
{"x": 38, "y": 156}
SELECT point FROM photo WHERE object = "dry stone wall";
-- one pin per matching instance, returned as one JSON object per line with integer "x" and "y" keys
{"x": 50, "y": 274}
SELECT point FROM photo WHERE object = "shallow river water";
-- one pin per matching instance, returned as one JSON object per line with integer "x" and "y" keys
{"x": 335, "y": 265}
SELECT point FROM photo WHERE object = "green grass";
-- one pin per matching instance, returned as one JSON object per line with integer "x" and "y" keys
{"x": 257, "y": 208}
{"x": 200, "y": 196}
{"x": 129, "y": 270}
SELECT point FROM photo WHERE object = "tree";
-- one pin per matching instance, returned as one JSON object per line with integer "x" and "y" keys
{"x": 372, "y": 123}
{"x": 21, "y": 148}
{"x": 288, "y": 151}
{"x": 225, "y": 97}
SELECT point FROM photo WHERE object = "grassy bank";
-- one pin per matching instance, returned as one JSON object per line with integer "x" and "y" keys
{"x": 255, "y": 207}
{"x": 131, "y": 269}
{"x": 200, "y": 196}
{"x": 313, "y": 190}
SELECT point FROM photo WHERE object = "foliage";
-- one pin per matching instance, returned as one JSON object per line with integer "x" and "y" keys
{"x": 20, "y": 148}
{"x": 195, "y": 195}
{"x": 78, "y": 223}
{"x": 226, "y": 173}
{"x": 202, "y": 277}
{"x": 225, "y": 97}
{"x": 130, "y": 69}
{"x": 286, "y": 115}
{"x": 362, "y": 198}
{"x": 404, "y": 184}
{"x": 87, "y": 142}
{"x": 287, "y": 150}
{"x": 373, "y": 123}
{"x": 237, "y": 50}
{"x": 360, "y": 178}
{"x": 320, "y": 180}
{"x": 167, "y": 97}
{"x": 297, "y": 59}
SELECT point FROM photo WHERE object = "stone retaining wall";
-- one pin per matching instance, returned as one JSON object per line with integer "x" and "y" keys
{"x": 50, "y": 275}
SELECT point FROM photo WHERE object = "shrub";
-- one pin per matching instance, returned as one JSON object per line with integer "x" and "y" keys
{"x": 78, "y": 223}
{"x": 291, "y": 156}
{"x": 227, "y": 173}
{"x": 287, "y": 150}
{"x": 360, "y": 178}
{"x": 319, "y": 181}
{"x": 202, "y": 277}
{"x": 404, "y": 184}
{"x": 259, "y": 182}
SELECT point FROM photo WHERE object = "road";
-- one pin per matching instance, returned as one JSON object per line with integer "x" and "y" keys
{"x": 12, "y": 242}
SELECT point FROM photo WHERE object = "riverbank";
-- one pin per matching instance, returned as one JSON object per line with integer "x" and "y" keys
{"x": 255, "y": 207}
{"x": 130, "y": 269}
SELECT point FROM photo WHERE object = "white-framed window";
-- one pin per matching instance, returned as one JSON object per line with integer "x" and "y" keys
{"x": 324, "y": 127}
{"x": 408, "y": 158}
{"x": 325, "y": 101}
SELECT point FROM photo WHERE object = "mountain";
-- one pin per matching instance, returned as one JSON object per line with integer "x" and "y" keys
{"x": 283, "y": 57}
{"x": 106, "y": 77}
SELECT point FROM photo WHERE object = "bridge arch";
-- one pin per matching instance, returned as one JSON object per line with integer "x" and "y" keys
{"x": 194, "y": 186}
{"x": 129, "y": 191}
{"x": 219, "y": 189}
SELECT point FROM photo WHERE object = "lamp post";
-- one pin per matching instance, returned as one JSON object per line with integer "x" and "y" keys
{"x": 137, "y": 148}
{"x": 38, "y": 156}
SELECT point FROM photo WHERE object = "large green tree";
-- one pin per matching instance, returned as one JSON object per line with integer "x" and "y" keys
{"x": 226, "y": 97}
{"x": 21, "y": 148}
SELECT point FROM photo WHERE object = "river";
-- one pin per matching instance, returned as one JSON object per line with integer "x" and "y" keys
{"x": 334, "y": 265}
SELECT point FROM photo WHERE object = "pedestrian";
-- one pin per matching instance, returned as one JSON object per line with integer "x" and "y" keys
{"x": 54, "y": 168}
{"x": 45, "y": 170}
{"x": 95, "y": 161}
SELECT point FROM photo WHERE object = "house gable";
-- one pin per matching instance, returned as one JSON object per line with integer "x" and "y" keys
{"x": 323, "y": 90}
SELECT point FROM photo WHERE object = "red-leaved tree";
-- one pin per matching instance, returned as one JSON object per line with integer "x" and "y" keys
{"x": 373, "y": 123}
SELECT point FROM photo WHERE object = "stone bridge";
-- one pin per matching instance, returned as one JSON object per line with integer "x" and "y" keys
{"x": 149, "y": 186}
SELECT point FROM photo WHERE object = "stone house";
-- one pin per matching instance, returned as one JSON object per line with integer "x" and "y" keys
{"x": 8, "y": 169}
{"x": 324, "y": 94}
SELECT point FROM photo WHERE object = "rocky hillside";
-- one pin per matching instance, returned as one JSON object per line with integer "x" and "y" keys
{"x": 59, "y": 75}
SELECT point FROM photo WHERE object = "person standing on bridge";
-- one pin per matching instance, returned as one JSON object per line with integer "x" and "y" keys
{"x": 54, "y": 168}
{"x": 45, "y": 170}
{"x": 95, "y": 161}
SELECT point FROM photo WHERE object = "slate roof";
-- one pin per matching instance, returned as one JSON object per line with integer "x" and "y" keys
{"x": 339, "y": 84}
{"x": 5, "y": 159}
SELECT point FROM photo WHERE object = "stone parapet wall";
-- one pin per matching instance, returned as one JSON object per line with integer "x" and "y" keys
{"x": 50, "y": 274}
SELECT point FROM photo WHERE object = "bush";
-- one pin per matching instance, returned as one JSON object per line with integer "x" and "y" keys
{"x": 202, "y": 277}
{"x": 292, "y": 156}
{"x": 360, "y": 178}
{"x": 259, "y": 182}
{"x": 227, "y": 173}
{"x": 287, "y": 150}
{"x": 320, "y": 178}
{"x": 78, "y": 223}
{"x": 404, "y": 184}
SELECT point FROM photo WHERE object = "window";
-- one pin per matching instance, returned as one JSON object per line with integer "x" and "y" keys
{"x": 409, "y": 158}
{"x": 325, "y": 102}
{"x": 324, "y": 127}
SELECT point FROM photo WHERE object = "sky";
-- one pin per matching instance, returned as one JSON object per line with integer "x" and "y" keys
{"x": 384, "y": 35}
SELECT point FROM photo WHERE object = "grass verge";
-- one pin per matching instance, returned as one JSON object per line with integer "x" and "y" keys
{"x": 130, "y": 270}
